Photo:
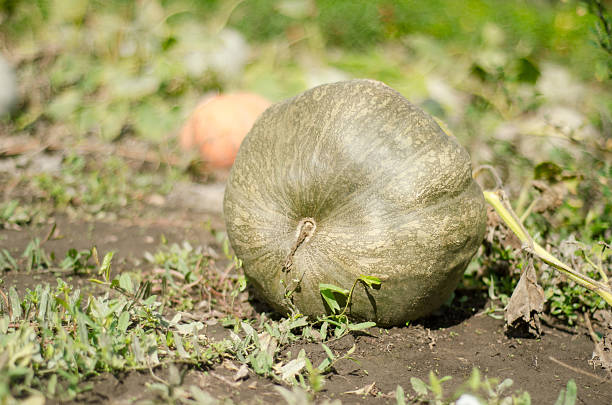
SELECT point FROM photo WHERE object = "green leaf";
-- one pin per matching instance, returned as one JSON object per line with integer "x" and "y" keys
{"x": 571, "y": 393}
{"x": 527, "y": 70}
{"x": 137, "y": 350}
{"x": 9, "y": 209}
{"x": 178, "y": 343}
{"x": 262, "y": 362}
{"x": 15, "y": 304}
{"x": 328, "y": 292}
{"x": 4, "y": 324}
{"x": 52, "y": 385}
{"x": 106, "y": 265}
{"x": 105, "y": 120}
{"x": 292, "y": 368}
{"x": 400, "y": 397}
{"x": 125, "y": 282}
{"x": 507, "y": 383}
{"x": 298, "y": 323}
{"x": 568, "y": 395}
{"x": 63, "y": 303}
{"x": 548, "y": 171}
{"x": 435, "y": 384}
{"x": 371, "y": 281}
{"x": 249, "y": 330}
{"x": 419, "y": 386}
{"x": 324, "y": 365}
{"x": 324, "y": 331}
{"x": 474, "y": 381}
{"x": 341, "y": 330}
{"x": 330, "y": 300}
{"x": 64, "y": 105}
{"x": 328, "y": 351}
{"x": 523, "y": 399}
{"x": 361, "y": 325}
{"x": 42, "y": 306}
{"x": 7, "y": 262}
{"x": 124, "y": 322}
{"x": 333, "y": 288}
{"x": 154, "y": 120}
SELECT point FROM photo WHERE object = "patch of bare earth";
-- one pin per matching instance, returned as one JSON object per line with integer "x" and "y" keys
{"x": 451, "y": 343}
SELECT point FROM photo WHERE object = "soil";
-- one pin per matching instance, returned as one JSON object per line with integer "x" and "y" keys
{"x": 450, "y": 343}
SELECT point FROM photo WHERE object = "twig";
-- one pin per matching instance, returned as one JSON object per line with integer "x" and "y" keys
{"x": 225, "y": 380}
{"x": 174, "y": 273}
{"x": 227, "y": 271}
{"x": 577, "y": 370}
{"x": 599, "y": 350}
{"x": 587, "y": 320}
{"x": 190, "y": 285}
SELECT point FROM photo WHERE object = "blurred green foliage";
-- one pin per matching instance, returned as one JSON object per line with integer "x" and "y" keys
{"x": 558, "y": 30}
{"x": 119, "y": 67}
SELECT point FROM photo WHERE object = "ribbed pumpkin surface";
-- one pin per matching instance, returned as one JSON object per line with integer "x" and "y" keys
{"x": 348, "y": 179}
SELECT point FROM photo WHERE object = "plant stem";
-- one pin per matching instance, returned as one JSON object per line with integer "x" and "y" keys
{"x": 500, "y": 204}
{"x": 348, "y": 300}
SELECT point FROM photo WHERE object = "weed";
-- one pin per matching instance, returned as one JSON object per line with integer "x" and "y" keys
{"x": 434, "y": 387}
{"x": 569, "y": 395}
{"x": 332, "y": 296}
{"x": 58, "y": 331}
{"x": 475, "y": 391}
{"x": 184, "y": 272}
{"x": 13, "y": 214}
{"x": 7, "y": 261}
{"x": 35, "y": 256}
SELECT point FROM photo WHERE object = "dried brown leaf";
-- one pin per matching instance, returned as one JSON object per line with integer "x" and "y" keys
{"x": 497, "y": 231}
{"x": 367, "y": 390}
{"x": 551, "y": 196}
{"x": 526, "y": 303}
{"x": 242, "y": 373}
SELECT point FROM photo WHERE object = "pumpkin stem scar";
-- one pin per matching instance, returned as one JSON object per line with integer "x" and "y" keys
{"x": 305, "y": 229}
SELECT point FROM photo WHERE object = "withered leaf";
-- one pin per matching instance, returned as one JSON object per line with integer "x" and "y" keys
{"x": 368, "y": 389}
{"x": 497, "y": 230}
{"x": 526, "y": 303}
{"x": 551, "y": 196}
{"x": 242, "y": 373}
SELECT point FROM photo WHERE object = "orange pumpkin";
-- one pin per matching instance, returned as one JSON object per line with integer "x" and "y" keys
{"x": 219, "y": 124}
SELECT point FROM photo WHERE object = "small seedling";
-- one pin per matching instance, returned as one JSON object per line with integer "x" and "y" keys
{"x": 333, "y": 296}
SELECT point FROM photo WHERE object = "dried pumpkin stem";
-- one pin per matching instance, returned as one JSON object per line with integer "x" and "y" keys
{"x": 305, "y": 230}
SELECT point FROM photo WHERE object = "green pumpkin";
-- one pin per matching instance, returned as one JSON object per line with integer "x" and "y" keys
{"x": 350, "y": 179}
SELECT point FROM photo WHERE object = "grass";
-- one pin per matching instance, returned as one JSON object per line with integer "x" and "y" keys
{"x": 55, "y": 337}
{"x": 61, "y": 335}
